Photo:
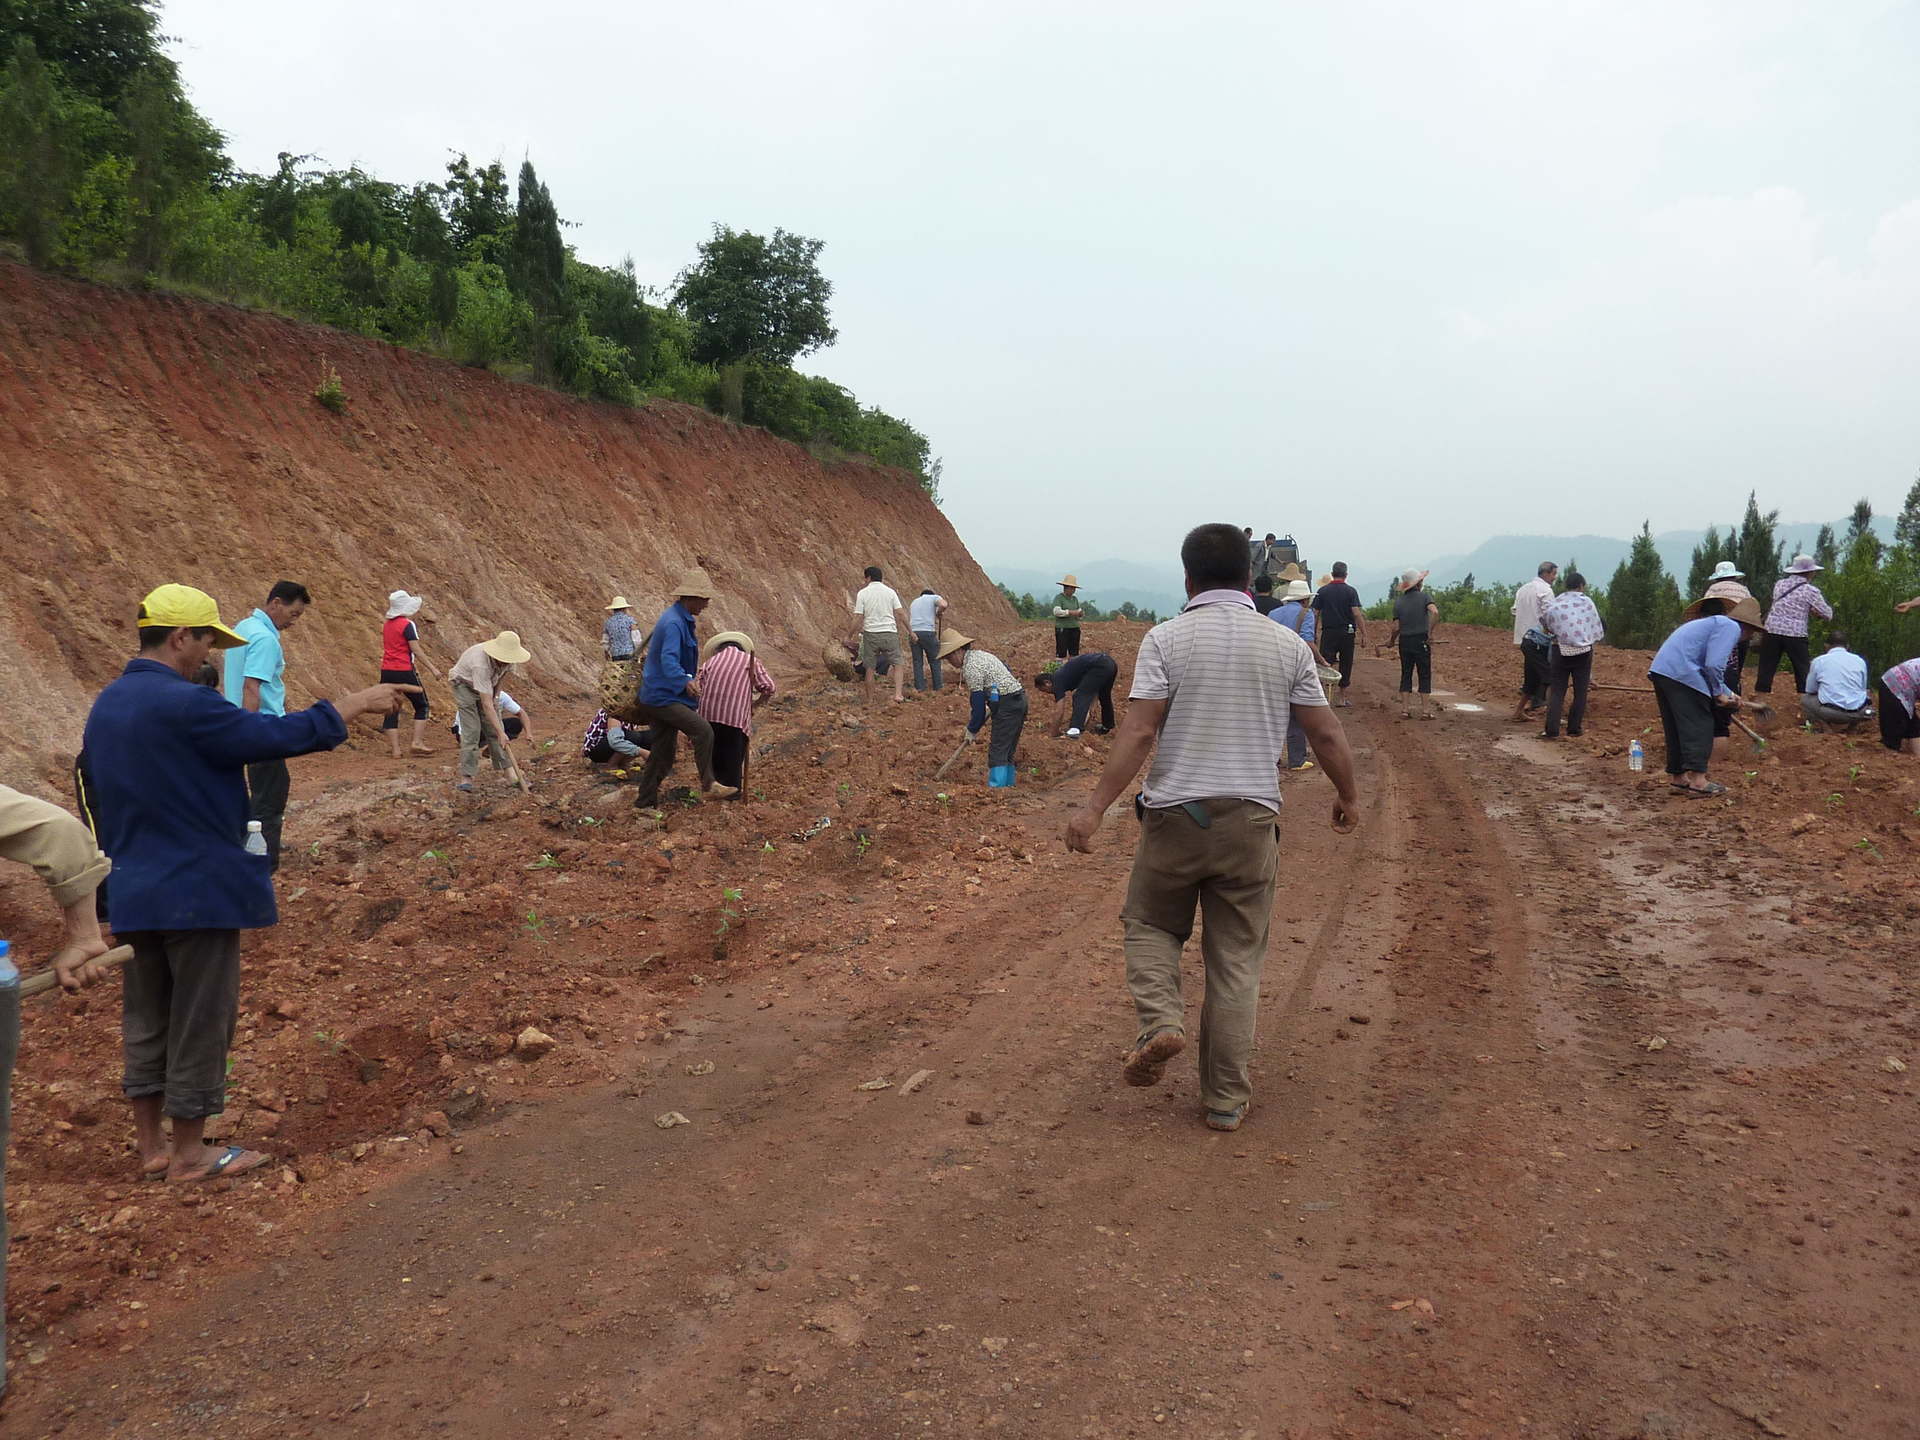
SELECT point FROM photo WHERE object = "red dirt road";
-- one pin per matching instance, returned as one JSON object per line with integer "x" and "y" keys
{"x": 1570, "y": 1120}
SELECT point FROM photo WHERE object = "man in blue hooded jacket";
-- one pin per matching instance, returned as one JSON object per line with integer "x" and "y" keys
{"x": 168, "y": 761}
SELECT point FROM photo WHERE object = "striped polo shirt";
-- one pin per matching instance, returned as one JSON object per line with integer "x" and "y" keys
{"x": 1232, "y": 676}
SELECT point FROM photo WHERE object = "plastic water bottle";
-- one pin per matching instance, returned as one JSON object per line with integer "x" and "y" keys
{"x": 9, "y": 975}
{"x": 1636, "y": 757}
{"x": 993, "y": 694}
{"x": 256, "y": 842}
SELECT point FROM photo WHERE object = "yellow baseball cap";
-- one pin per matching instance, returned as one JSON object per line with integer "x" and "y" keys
{"x": 182, "y": 605}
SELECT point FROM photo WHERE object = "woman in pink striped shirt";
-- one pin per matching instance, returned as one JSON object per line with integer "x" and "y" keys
{"x": 732, "y": 686}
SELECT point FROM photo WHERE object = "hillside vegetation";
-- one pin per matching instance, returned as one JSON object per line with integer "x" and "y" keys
{"x": 107, "y": 170}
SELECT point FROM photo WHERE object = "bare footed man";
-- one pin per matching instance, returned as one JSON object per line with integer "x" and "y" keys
{"x": 168, "y": 761}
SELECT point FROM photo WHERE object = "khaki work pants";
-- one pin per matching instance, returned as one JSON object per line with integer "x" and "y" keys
{"x": 1228, "y": 870}
{"x": 476, "y": 734}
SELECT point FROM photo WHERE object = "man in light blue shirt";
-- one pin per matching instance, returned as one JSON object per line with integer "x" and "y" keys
{"x": 1836, "y": 687}
{"x": 924, "y": 624}
{"x": 1296, "y": 613}
{"x": 256, "y": 680}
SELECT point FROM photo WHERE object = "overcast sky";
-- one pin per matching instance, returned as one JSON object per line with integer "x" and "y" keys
{"x": 1393, "y": 276}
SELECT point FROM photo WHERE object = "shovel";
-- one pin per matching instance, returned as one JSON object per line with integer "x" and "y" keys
{"x": 46, "y": 979}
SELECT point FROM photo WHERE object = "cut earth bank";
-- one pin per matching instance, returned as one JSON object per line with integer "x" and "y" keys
{"x": 147, "y": 439}
{"x": 1576, "y": 1111}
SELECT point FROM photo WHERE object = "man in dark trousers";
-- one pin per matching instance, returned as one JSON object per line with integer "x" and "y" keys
{"x": 1343, "y": 624}
{"x": 1414, "y": 614}
{"x": 670, "y": 696}
{"x": 256, "y": 680}
{"x": 169, "y": 760}
{"x": 1086, "y": 678}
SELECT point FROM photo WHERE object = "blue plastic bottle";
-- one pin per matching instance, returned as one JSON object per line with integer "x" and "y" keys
{"x": 9, "y": 1047}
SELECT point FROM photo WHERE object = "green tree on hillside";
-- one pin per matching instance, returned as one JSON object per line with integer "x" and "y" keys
{"x": 1757, "y": 548}
{"x": 1826, "y": 550}
{"x": 1642, "y": 602}
{"x": 1859, "y": 526}
{"x": 538, "y": 270}
{"x": 43, "y": 144}
{"x": 171, "y": 149}
{"x": 98, "y": 47}
{"x": 480, "y": 209}
{"x": 751, "y": 299}
{"x": 1906, "y": 529}
{"x": 1707, "y": 554}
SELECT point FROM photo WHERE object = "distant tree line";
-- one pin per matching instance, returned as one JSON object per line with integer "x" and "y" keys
{"x": 1865, "y": 578}
{"x": 1028, "y": 608}
{"x": 107, "y": 170}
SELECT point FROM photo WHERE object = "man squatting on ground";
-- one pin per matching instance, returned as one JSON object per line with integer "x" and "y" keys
{"x": 1534, "y": 643}
{"x": 1086, "y": 678}
{"x": 169, "y": 761}
{"x": 63, "y": 854}
{"x": 1836, "y": 696}
{"x": 256, "y": 680}
{"x": 1215, "y": 687}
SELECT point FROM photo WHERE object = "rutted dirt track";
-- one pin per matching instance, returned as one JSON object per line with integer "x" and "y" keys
{"x": 1568, "y": 1122}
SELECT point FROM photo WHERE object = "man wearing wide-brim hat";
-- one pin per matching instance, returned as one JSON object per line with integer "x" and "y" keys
{"x": 1067, "y": 613}
{"x": 1689, "y": 681}
{"x": 670, "y": 694}
{"x": 992, "y": 693}
{"x": 1725, "y": 586}
{"x": 1795, "y": 597}
{"x": 477, "y": 677}
{"x": 616, "y": 633}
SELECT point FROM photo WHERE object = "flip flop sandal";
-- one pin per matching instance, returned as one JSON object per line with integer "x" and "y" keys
{"x": 1144, "y": 1064}
{"x": 1706, "y": 791}
{"x": 226, "y": 1165}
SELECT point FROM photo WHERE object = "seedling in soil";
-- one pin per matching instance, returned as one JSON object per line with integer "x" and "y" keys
{"x": 865, "y": 842}
{"x": 944, "y": 798}
{"x": 1836, "y": 800}
{"x": 330, "y": 392}
{"x": 314, "y": 850}
{"x": 1752, "y": 773}
{"x": 439, "y": 855}
{"x": 845, "y": 789}
{"x": 535, "y": 926}
{"x": 369, "y": 1067}
{"x": 729, "y": 897}
{"x": 1853, "y": 774}
{"x": 767, "y": 848}
{"x": 1863, "y": 843}
{"x": 546, "y": 862}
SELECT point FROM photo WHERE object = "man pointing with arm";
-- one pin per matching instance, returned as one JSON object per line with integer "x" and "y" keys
{"x": 1214, "y": 687}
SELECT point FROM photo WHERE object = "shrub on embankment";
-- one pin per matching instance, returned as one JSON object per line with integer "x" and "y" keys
{"x": 107, "y": 170}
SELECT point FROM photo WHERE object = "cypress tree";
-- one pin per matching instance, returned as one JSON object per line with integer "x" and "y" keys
{"x": 1643, "y": 602}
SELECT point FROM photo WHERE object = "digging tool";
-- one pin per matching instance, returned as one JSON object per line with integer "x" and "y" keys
{"x": 46, "y": 979}
{"x": 1760, "y": 709}
{"x": 952, "y": 760}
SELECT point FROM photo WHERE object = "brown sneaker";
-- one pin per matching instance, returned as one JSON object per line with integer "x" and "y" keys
{"x": 717, "y": 791}
{"x": 1143, "y": 1065}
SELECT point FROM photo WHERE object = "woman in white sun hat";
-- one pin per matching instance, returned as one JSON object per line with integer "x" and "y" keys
{"x": 1795, "y": 597}
{"x": 400, "y": 665}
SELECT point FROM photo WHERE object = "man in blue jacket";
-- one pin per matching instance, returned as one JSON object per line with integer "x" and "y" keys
{"x": 670, "y": 696}
{"x": 169, "y": 760}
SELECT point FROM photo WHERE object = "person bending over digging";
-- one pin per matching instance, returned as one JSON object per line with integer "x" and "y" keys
{"x": 607, "y": 740}
{"x": 1215, "y": 687}
{"x": 477, "y": 677}
{"x": 1086, "y": 678}
{"x": 991, "y": 691}
{"x": 169, "y": 761}
{"x": 1900, "y": 708}
{"x": 732, "y": 686}
{"x": 1689, "y": 675}
{"x": 670, "y": 695}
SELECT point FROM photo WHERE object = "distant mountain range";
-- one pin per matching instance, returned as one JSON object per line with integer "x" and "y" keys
{"x": 1502, "y": 560}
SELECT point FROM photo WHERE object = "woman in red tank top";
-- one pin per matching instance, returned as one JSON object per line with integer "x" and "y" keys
{"x": 398, "y": 666}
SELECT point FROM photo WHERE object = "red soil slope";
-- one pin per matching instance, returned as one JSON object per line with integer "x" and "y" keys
{"x": 145, "y": 439}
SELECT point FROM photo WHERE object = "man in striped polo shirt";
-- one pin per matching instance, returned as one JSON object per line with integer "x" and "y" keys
{"x": 1215, "y": 687}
